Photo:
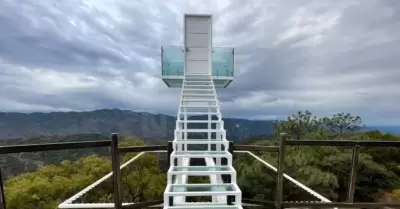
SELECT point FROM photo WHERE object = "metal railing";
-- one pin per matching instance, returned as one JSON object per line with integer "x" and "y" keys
{"x": 355, "y": 145}
{"x": 284, "y": 141}
{"x": 2, "y": 197}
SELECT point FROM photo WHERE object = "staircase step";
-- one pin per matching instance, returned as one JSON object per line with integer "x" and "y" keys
{"x": 201, "y": 130}
{"x": 199, "y": 100}
{"x": 204, "y": 140}
{"x": 200, "y": 121}
{"x": 201, "y": 154}
{"x": 199, "y": 96}
{"x": 203, "y": 206}
{"x": 204, "y": 86}
{"x": 200, "y": 142}
{"x": 202, "y": 170}
{"x": 202, "y": 103}
{"x": 199, "y": 106}
{"x": 207, "y": 90}
{"x": 203, "y": 189}
{"x": 196, "y": 82}
{"x": 200, "y": 113}
{"x": 199, "y": 88}
{"x": 198, "y": 79}
{"x": 197, "y": 75}
{"x": 196, "y": 110}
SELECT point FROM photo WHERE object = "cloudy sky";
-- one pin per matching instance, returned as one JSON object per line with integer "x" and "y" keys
{"x": 326, "y": 56}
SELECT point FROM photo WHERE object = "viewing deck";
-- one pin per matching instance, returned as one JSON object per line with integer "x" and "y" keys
{"x": 278, "y": 203}
{"x": 172, "y": 66}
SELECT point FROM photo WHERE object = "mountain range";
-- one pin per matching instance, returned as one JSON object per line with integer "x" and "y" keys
{"x": 53, "y": 127}
{"x": 385, "y": 128}
{"x": 105, "y": 121}
{"x": 125, "y": 122}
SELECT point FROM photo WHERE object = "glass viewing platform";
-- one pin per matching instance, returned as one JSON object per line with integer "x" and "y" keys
{"x": 172, "y": 65}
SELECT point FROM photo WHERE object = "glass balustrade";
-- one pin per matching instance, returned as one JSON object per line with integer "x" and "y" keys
{"x": 173, "y": 61}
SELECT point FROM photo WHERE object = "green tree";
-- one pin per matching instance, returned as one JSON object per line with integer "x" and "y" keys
{"x": 298, "y": 125}
{"x": 327, "y": 169}
{"x": 342, "y": 123}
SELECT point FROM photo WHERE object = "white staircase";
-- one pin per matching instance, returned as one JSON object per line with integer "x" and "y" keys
{"x": 200, "y": 133}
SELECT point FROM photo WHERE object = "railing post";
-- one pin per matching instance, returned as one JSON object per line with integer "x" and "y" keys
{"x": 233, "y": 60}
{"x": 162, "y": 61}
{"x": 353, "y": 174}
{"x": 279, "y": 173}
{"x": 2, "y": 197}
{"x": 169, "y": 152}
{"x": 228, "y": 178}
{"x": 170, "y": 149}
{"x": 115, "y": 156}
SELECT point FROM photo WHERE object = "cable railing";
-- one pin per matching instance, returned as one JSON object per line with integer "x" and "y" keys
{"x": 278, "y": 203}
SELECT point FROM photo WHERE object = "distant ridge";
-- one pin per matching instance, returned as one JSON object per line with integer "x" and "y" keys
{"x": 125, "y": 122}
{"x": 384, "y": 129}
{"x": 106, "y": 121}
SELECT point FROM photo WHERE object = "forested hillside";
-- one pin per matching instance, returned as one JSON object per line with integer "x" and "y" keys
{"x": 324, "y": 169}
{"x": 51, "y": 184}
{"x": 14, "y": 164}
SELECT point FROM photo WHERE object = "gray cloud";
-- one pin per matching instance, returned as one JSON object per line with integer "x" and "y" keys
{"x": 325, "y": 56}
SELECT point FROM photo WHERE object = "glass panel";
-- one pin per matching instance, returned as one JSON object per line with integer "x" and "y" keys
{"x": 174, "y": 82}
{"x": 202, "y": 168}
{"x": 202, "y": 188}
{"x": 219, "y": 82}
{"x": 222, "y": 61}
{"x": 173, "y": 61}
